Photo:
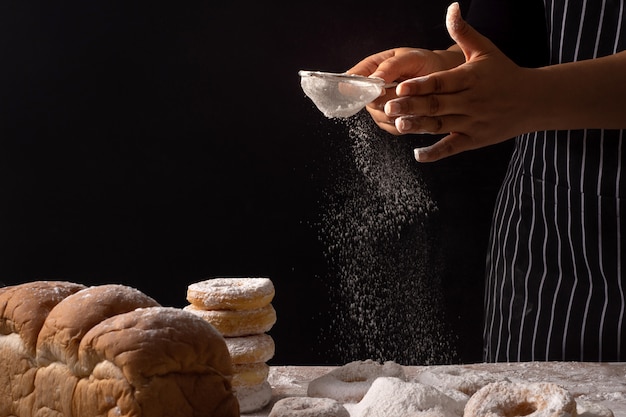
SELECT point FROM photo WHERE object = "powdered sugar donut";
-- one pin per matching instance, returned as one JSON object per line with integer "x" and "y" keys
{"x": 231, "y": 293}
{"x": 538, "y": 399}
{"x": 308, "y": 407}
{"x": 590, "y": 409}
{"x": 253, "y": 398}
{"x": 249, "y": 374}
{"x": 447, "y": 377}
{"x": 350, "y": 382}
{"x": 234, "y": 323}
{"x": 395, "y": 397}
{"x": 251, "y": 349}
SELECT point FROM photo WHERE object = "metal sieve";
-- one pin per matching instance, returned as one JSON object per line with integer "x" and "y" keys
{"x": 340, "y": 95}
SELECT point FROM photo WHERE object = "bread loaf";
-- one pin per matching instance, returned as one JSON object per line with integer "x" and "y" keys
{"x": 68, "y": 350}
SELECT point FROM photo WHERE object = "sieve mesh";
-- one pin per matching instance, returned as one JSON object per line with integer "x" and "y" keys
{"x": 340, "y": 95}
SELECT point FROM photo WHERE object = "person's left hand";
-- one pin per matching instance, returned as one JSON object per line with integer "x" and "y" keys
{"x": 399, "y": 64}
{"x": 478, "y": 103}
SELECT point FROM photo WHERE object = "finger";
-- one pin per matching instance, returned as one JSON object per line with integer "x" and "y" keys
{"x": 445, "y": 82}
{"x": 404, "y": 63}
{"x": 452, "y": 144}
{"x": 386, "y": 95}
{"x": 433, "y": 125}
{"x": 368, "y": 65}
{"x": 377, "y": 107}
{"x": 429, "y": 105}
{"x": 389, "y": 128}
{"x": 382, "y": 120}
{"x": 472, "y": 43}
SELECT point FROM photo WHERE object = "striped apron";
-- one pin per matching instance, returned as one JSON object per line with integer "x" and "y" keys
{"x": 556, "y": 264}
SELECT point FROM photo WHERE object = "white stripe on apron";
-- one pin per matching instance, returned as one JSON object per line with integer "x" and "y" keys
{"x": 555, "y": 282}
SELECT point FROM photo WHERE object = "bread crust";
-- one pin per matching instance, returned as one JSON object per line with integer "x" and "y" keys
{"x": 25, "y": 307}
{"x": 171, "y": 370}
{"x": 23, "y": 311}
{"x": 68, "y": 322}
{"x": 67, "y": 350}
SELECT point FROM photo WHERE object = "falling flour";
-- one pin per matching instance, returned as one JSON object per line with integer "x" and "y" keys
{"x": 383, "y": 269}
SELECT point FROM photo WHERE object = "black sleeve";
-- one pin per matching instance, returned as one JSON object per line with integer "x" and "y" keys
{"x": 517, "y": 27}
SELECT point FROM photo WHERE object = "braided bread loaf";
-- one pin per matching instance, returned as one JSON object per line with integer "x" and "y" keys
{"x": 70, "y": 350}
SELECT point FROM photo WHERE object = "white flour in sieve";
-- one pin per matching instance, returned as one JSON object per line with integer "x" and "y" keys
{"x": 339, "y": 97}
{"x": 383, "y": 279}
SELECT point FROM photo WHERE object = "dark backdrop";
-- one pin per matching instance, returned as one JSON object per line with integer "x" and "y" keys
{"x": 160, "y": 145}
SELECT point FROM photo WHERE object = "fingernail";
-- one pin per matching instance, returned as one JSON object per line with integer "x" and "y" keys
{"x": 403, "y": 124}
{"x": 392, "y": 108}
{"x": 419, "y": 154}
{"x": 378, "y": 74}
{"x": 453, "y": 17}
{"x": 404, "y": 88}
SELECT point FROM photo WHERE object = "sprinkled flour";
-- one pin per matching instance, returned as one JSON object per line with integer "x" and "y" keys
{"x": 383, "y": 281}
{"x": 394, "y": 397}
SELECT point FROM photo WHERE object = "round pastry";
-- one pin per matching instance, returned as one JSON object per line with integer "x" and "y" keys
{"x": 448, "y": 377}
{"x": 350, "y": 382}
{"x": 251, "y": 349}
{"x": 538, "y": 399}
{"x": 248, "y": 374}
{"x": 253, "y": 398}
{"x": 234, "y": 323}
{"x": 231, "y": 293}
{"x": 395, "y": 397}
{"x": 308, "y": 407}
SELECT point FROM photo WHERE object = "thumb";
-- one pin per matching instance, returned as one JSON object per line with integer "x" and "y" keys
{"x": 472, "y": 43}
{"x": 452, "y": 144}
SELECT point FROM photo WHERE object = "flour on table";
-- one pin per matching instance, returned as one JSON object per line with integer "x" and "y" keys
{"x": 393, "y": 397}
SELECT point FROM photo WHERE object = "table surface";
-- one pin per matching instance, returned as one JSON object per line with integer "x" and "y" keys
{"x": 604, "y": 383}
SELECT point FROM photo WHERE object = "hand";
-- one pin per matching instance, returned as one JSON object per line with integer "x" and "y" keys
{"x": 400, "y": 64}
{"x": 480, "y": 102}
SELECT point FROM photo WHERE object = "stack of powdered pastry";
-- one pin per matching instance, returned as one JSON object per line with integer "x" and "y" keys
{"x": 110, "y": 350}
{"x": 241, "y": 310}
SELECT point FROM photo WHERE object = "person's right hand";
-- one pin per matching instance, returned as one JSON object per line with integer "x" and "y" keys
{"x": 399, "y": 64}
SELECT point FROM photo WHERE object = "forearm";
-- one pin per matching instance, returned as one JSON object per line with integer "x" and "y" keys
{"x": 579, "y": 95}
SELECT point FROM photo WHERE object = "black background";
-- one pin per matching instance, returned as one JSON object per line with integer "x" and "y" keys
{"x": 160, "y": 145}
